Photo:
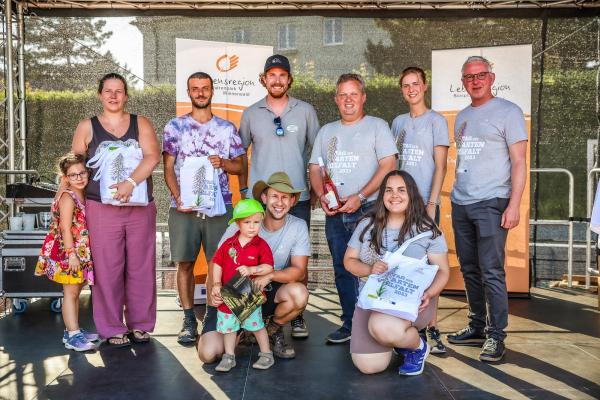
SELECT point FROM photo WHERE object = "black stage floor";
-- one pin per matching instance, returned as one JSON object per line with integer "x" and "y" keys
{"x": 553, "y": 353}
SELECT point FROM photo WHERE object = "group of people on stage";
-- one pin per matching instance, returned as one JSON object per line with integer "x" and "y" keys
{"x": 389, "y": 183}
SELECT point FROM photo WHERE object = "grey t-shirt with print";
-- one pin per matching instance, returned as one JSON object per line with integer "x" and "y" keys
{"x": 352, "y": 152}
{"x": 483, "y": 135}
{"x": 418, "y": 249}
{"x": 291, "y": 239}
{"x": 415, "y": 139}
{"x": 272, "y": 153}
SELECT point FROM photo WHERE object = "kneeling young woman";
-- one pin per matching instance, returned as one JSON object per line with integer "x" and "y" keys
{"x": 398, "y": 215}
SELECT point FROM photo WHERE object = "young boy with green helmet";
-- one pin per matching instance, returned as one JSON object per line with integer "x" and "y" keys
{"x": 244, "y": 252}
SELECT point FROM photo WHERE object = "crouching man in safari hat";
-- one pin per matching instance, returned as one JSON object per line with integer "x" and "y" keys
{"x": 289, "y": 241}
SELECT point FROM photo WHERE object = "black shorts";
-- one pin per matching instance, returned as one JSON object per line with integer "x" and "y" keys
{"x": 209, "y": 323}
{"x": 268, "y": 308}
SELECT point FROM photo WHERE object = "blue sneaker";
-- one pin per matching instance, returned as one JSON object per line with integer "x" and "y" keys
{"x": 414, "y": 361}
{"x": 79, "y": 343}
{"x": 91, "y": 337}
{"x": 341, "y": 335}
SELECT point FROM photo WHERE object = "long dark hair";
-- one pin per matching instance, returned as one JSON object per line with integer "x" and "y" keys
{"x": 416, "y": 219}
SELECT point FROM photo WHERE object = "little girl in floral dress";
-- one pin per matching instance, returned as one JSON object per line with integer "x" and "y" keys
{"x": 65, "y": 256}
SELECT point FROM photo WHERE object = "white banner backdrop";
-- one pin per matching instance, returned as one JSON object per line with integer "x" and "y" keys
{"x": 234, "y": 68}
{"x": 511, "y": 64}
{"x": 512, "y": 67}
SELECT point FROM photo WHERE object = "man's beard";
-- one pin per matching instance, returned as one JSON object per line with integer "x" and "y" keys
{"x": 278, "y": 95}
{"x": 196, "y": 104}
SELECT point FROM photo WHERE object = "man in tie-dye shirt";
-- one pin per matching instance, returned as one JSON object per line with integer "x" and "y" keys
{"x": 197, "y": 134}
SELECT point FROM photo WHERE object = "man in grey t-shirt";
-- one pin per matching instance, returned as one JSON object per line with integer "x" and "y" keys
{"x": 281, "y": 130}
{"x": 289, "y": 241}
{"x": 491, "y": 171}
{"x": 358, "y": 151}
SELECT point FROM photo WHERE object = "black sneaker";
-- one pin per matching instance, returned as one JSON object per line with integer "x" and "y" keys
{"x": 189, "y": 331}
{"x": 299, "y": 328}
{"x": 434, "y": 340}
{"x": 493, "y": 350}
{"x": 277, "y": 339}
{"x": 467, "y": 337}
{"x": 341, "y": 335}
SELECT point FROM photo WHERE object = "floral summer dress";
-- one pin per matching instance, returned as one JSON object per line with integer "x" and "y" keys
{"x": 53, "y": 262}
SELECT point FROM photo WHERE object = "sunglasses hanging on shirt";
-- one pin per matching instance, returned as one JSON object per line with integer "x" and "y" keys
{"x": 278, "y": 128}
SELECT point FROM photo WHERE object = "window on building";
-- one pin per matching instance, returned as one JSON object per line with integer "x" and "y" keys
{"x": 332, "y": 31}
{"x": 241, "y": 36}
{"x": 286, "y": 39}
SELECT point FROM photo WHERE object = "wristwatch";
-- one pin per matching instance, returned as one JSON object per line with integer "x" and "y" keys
{"x": 362, "y": 197}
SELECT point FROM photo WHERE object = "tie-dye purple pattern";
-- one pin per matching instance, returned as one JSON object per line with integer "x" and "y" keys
{"x": 185, "y": 137}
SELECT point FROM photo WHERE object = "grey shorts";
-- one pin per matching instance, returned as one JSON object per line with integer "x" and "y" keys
{"x": 187, "y": 233}
{"x": 363, "y": 343}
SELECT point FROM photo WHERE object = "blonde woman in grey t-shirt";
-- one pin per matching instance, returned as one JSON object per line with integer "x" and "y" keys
{"x": 398, "y": 215}
{"x": 422, "y": 139}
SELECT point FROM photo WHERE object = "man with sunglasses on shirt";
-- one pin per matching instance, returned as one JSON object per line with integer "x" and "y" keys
{"x": 358, "y": 150}
{"x": 281, "y": 130}
{"x": 491, "y": 170}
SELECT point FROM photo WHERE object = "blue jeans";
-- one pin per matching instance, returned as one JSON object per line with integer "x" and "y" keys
{"x": 302, "y": 210}
{"x": 338, "y": 230}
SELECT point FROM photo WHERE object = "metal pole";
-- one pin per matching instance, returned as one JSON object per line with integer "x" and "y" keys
{"x": 21, "y": 75}
{"x": 10, "y": 101}
{"x": 571, "y": 212}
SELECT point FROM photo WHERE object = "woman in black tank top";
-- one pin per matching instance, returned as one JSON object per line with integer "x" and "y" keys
{"x": 122, "y": 238}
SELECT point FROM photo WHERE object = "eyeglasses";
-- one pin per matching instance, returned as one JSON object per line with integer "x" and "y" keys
{"x": 278, "y": 128}
{"x": 480, "y": 76}
{"x": 79, "y": 176}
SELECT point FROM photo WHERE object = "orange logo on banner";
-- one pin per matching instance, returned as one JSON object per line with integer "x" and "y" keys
{"x": 226, "y": 63}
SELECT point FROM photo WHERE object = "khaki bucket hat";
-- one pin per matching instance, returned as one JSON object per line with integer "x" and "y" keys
{"x": 279, "y": 181}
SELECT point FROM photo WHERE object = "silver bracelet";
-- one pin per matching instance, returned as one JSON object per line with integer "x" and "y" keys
{"x": 361, "y": 197}
{"x": 130, "y": 180}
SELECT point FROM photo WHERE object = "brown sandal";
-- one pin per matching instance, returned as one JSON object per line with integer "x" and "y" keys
{"x": 140, "y": 336}
{"x": 118, "y": 341}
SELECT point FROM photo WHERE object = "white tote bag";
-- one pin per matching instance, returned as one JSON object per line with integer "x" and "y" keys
{"x": 197, "y": 183}
{"x": 399, "y": 290}
{"x": 218, "y": 207}
{"x": 115, "y": 162}
{"x": 200, "y": 188}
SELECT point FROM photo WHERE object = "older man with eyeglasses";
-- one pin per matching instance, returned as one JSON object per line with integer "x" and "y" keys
{"x": 281, "y": 130}
{"x": 491, "y": 142}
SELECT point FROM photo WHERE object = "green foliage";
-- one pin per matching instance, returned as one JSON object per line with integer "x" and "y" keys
{"x": 64, "y": 53}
